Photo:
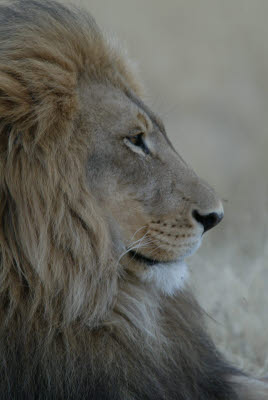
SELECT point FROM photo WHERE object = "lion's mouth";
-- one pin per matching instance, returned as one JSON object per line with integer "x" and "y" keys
{"x": 189, "y": 249}
{"x": 147, "y": 260}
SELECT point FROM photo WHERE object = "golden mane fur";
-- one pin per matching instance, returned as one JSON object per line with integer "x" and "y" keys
{"x": 48, "y": 217}
{"x": 74, "y": 325}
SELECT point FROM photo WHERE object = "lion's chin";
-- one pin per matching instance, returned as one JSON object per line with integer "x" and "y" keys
{"x": 167, "y": 277}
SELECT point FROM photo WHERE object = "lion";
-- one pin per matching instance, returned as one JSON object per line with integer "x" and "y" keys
{"x": 98, "y": 212}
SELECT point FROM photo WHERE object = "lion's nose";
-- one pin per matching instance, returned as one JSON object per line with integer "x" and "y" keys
{"x": 208, "y": 220}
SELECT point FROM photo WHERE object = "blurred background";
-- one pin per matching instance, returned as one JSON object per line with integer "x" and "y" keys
{"x": 205, "y": 67}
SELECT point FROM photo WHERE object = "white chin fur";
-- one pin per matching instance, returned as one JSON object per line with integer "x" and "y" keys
{"x": 169, "y": 278}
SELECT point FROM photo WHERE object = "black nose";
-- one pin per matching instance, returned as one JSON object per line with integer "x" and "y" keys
{"x": 208, "y": 220}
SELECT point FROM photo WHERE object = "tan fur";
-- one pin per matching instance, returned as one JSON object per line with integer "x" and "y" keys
{"x": 75, "y": 199}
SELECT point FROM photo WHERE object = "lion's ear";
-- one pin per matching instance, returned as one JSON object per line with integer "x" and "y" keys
{"x": 36, "y": 97}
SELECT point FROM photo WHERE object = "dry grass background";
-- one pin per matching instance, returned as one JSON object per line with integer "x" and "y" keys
{"x": 205, "y": 64}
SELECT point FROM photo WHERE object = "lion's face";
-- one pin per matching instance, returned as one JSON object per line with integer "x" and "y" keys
{"x": 157, "y": 202}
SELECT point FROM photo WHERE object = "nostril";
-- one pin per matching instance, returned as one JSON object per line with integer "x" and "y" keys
{"x": 208, "y": 220}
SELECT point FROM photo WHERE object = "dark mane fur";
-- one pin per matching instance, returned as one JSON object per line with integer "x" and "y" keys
{"x": 105, "y": 364}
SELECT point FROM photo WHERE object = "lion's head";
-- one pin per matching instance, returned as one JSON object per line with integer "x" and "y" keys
{"x": 90, "y": 184}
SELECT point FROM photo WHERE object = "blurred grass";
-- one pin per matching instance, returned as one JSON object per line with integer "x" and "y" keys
{"x": 205, "y": 66}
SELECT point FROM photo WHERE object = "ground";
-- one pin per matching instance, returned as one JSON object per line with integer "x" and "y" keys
{"x": 205, "y": 66}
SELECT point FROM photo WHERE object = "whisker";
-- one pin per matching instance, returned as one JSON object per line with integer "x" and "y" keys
{"x": 137, "y": 232}
{"x": 134, "y": 245}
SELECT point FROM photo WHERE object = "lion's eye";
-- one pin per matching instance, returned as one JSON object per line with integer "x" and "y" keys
{"x": 138, "y": 141}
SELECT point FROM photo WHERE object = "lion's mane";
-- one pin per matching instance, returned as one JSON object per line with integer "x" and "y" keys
{"x": 72, "y": 325}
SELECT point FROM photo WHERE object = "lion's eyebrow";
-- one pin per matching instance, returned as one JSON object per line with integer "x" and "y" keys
{"x": 150, "y": 115}
{"x": 147, "y": 111}
{"x": 145, "y": 121}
